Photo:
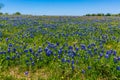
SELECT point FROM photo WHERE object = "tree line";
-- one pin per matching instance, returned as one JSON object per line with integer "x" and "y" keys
{"x": 102, "y": 14}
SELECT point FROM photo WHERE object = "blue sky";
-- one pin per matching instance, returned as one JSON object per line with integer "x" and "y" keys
{"x": 61, "y": 7}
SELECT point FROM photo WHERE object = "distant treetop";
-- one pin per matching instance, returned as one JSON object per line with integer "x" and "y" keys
{"x": 102, "y": 14}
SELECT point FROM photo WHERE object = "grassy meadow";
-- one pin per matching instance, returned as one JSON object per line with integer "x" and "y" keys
{"x": 59, "y": 47}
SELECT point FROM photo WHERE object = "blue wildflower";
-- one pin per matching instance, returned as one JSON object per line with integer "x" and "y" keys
{"x": 114, "y": 53}
{"x": 89, "y": 67}
{"x": 72, "y": 61}
{"x": 118, "y": 68}
{"x": 101, "y": 54}
{"x": 70, "y": 47}
{"x": 6, "y": 39}
{"x": 83, "y": 47}
{"x": 83, "y": 71}
{"x": 8, "y": 58}
{"x": 33, "y": 63}
{"x": 73, "y": 67}
{"x": 119, "y": 58}
{"x": 115, "y": 59}
{"x": 106, "y": 56}
{"x": 10, "y": 45}
{"x": 9, "y": 50}
{"x": 63, "y": 60}
{"x": 30, "y": 50}
{"x": 26, "y": 51}
{"x": 26, "y": 73}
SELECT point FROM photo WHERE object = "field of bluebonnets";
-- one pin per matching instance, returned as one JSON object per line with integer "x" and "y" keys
{"x": 59, "y": 48}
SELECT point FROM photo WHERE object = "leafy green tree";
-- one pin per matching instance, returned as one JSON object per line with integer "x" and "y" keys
{"x": 100, "y": 14}
{"x": 93, "y": 14}
{"x": 17, "y": 13}
{"x": 88, "y": 15}
{"x": 6, "y": 14}
{"x": 108, "y": 14}
{"x": 1, "y": 13}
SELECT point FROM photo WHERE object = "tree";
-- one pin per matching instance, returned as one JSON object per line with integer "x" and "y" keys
{"x": 1, "y": 13}
{"x": 100, "y": 14}
{"x": 88, "y": 15}
{"x": 108, "y": 14}
{"x": 93, "y": 14}
{"x": 17, "y": 13}
{"x": 6, "y": 14}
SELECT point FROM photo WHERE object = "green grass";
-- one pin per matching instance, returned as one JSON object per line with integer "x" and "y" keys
{"x": 34, "y": 32}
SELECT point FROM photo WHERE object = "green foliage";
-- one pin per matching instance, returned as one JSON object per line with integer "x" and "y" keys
{"x": 17, "y": 13}
{"x": 108, "y": 14}
{"x": 59, "y": 48}
{"x": 102, "y": 14}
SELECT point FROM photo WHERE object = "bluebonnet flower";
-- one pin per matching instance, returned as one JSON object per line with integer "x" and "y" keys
{"x": 26, "y": 73}
{"x": 18, "y": 56}
{"x": 13, "y": 57}
{"x": 36, "y": 54}
{"x": 27, "y": 61}
{"x": 89, "y": 51}
{"x": 106, "y": 56}
{"x": 114, "y": 53}
{"x": 49, "y": 52}
{"x": 101, "y": 46}
{"x": 83, "y": 71}
{"x": 63, "y": 60}
{"x": 46, "y": 49}
{"x": 101, "y": 54}
{"x": 83, "y": 47}
{"x": 77, "y": 48}
{"x": 59, "y": 56}
{"x": 115, "y": 59}
{"x": 9, "y": 50}
{"x": 95, "y": 49}
{"x": 57, "y": 44}
{"x": 60, "y": 51}
{"x": 8, "y": 58}
{"x": 68, "y": 61}
{"x": 70, "y": 47}
{"x": 89, "y": 67}
{"x": 31, "y": 59}
{"x": 109, "y": 52}
{"x": 73, "y": 67}
{"x": 3, "y": 52}
{"x": 72, "y": 61}
{"x": 118, "y": 68}
{"x": 10, "y": 45}
{"x": 14, "y": 50}
{"x": 33, "y": 63}
{"x": 26, "y": 51}
{"x": 65, "y": 51}
{"x": 89, "y": 46}
{"x": 6, "y": 39}
{"x": 93, "y": 44}
{"x": 119, "y": 58}
{"x": 102, "y": 51}
{"x": 27, "y": 55}
{"x": 39, "y": 50}
{"x": 55, "y": 54}
{"x": 113, "y": 37}
{"x": 30, "y": 50}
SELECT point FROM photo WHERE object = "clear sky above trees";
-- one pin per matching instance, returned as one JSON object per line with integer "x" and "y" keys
{"x": 61, "y": 7}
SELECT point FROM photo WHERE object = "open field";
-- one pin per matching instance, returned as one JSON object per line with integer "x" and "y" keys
{"x": 59, "y": 48}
